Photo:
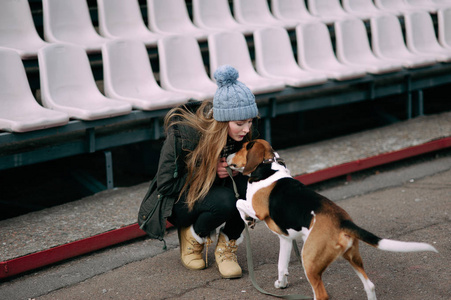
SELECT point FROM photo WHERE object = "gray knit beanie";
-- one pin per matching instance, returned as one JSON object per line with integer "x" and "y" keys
{"x": 233, "y": 101}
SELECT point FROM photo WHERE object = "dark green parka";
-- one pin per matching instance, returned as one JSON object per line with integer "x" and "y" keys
{"x": 165, "y": 188}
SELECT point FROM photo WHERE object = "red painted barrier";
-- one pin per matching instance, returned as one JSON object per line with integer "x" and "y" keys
{"x": 46, "y": 257}
{"x": 373, "y": 161}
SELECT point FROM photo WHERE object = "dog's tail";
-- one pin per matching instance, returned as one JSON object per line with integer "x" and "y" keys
{"x": 384, "y": 244}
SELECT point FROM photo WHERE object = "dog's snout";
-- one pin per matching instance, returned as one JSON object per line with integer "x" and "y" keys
{"x": 229, "y": 160}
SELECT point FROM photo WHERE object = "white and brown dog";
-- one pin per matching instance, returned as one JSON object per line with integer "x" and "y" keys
{"x": 290, "y": 210}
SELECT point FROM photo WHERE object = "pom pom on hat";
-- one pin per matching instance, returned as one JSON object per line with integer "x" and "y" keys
{"x": 233, "y": 100}
{"x": 225, "y": 75}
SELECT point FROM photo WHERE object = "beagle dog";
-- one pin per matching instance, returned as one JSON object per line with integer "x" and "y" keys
{"x": 292, "y": 210}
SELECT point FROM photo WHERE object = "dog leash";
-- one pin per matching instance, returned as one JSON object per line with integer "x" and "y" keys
{"x": 250, "y": 260}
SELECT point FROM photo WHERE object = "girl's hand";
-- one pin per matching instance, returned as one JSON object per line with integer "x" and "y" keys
{"x": 221, "y": 169}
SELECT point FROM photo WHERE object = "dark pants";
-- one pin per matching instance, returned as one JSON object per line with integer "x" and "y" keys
{"x": 218, "y": 207}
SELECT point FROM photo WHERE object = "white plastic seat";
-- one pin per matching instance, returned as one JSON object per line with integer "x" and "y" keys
{"x": 328, "y": 11}
{"x": 170, "y": 17}
{"x": 397, "y": 7}
{"x": 441, "y": 3}
{"x": 17, "y": 30}
{"x": 123, "y": 19}
{"x": 292, "y": 10}
{"x": 182, "y": 69}
{"x": 387, "y": 42}
{"x": 315, "y": 53}
{"x": 274, "y": 58}
{"x": 19, "y": 111}
{"x": 422, "y": 5}
{"x": 128, "y": 76}
{"x": 69, "y": 21}
{"x": 444, "y": 27}
{"x": 364, "y": 9}
{"x": 68, "y": 85}
{"x": 353, "y": 48}
{"x": 231, "y": 48}
{"x": 421, "y": 38}
{"x": 256, "y": 12}
{"x": 216, "y": 15}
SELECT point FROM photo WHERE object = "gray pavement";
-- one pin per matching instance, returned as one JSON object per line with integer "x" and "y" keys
{"x": 410, "y": 202}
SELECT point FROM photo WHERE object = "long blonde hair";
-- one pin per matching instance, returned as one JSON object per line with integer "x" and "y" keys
{"x": 202, "y": 161}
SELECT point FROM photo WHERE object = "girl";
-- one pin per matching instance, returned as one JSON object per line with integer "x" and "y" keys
{"x": 193, "y": 189}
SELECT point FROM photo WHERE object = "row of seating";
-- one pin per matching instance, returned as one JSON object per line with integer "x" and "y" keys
{"x": 68, "y": 85}
{"x": 69, "y": 21}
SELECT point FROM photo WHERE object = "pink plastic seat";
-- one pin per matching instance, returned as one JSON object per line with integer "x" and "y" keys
{"x": 171, "y": 17}
{"x": 69, "y": 21}
{"x": 387, "y": 42}
{"x": 231, "y": 48}
{"x": 68, "y": 85}
{"x": 123, "y": 19}
{"x": 274, "y": 58}
{"x": 353, "y": 48}
{"x": 256, "y": 13}
{"x": 216, "y": 15}
{"x": 292, "y": 10}
{"x": 17, "y": 29}
{"x": 328, "y": 11}
{"x": 128, "y": 76}
{"x": 444, "y": 27}
{"x": 19, "y": 111}
{"x": 315, "y": 53}
{"x": 421, "y": 37}
{"x": 364, "y": 9}
{"x": 182, "y": 69}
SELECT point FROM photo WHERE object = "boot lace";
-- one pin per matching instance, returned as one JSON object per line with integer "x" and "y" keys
{"x": 228, "y": 254}
{"x": 194, "y": 247}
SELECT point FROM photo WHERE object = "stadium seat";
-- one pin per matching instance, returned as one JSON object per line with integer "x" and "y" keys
{"x": 68, "y": 85}
{"x": 444, "y": 27}
{"x": 291, "y": 10}
{"x": 256, "y": 12}
{"x": 387, "y": 42}
{"x": 182, "y": 69}
{"x": 19, "y": 111}
{"x": 441, "y": 3}
{"x": 274, "y": 58}
{"x": 397, "y": 7}
{"x": 123, "y": 19}
{"x": 315, "y": 53}
{"x": 363, "y": 9}
{"x": 17, "y": 30}
{"x": 353, "y": 48}
{"x": 422, "y": 5}
{"x": 328, "y": 11}
{"x": 170, "y": 17}
{"x": 421, "y": 38}
{"x": 69, "y": 21}
{"x": 216, "y": 15}
{"x": 128, "y": 76}
{"x": 231, "y": 48}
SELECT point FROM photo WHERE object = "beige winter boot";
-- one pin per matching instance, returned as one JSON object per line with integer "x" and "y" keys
{"x": 191, "y": 246}
{"x": 226, "y": 259}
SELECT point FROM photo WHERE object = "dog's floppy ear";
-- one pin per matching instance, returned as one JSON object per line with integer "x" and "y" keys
{"x": 254, "y": 157}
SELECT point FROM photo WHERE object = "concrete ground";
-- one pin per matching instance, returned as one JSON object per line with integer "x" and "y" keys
{"x": 410, "y": 202}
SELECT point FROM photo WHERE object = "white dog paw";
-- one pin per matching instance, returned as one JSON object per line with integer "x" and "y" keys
{"x": 280, "y": 284}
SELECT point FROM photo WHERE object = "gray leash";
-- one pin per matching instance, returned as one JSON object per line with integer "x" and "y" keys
{"x": 250, "y": 260}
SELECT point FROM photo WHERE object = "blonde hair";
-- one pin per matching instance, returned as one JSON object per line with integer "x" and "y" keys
{"x": 202, "y": 161}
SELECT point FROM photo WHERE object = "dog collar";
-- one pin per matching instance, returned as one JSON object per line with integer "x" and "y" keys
{"x": 275, "y": 159}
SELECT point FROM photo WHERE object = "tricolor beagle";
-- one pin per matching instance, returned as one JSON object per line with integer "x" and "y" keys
{"x": 290, "y": 210}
